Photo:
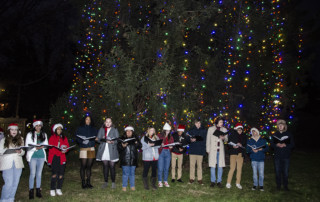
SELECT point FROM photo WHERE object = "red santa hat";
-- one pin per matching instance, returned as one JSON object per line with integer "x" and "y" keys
{"x": 55, "y": 126}
{"x": 128, "y": 128}
{"x": 13, "y": 126}
{"x": 37, "y": 122}
{"x": 181, "y": 127}
{"x": 238, "y": 125}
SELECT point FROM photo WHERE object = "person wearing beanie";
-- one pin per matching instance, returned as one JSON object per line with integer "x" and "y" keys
{"x": 36, "y": 156}
{"x": 215, "y": 149}
{"x": 57, "y": 158}
{"x": 177, "y": 153}
{"x": 236, "y": 143}
{"x": 85, "y": 137}
{"x": 128, "y": 147}
{"x": 282, "y": 151}
{"x": 197, "y": 149}
{"x": 11, "y": 163}
{"x": 257, "y": 147}
{"x": 150, "y": 156}
{"x": 1, "y": 134}
{"x": 108, "y": 151}
{"x": 164, "y": 156}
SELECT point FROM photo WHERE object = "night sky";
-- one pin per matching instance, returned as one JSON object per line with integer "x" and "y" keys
{"x": 38, "y": 46}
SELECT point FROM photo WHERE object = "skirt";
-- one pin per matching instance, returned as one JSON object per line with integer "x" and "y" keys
{"x": 87, "y": 153}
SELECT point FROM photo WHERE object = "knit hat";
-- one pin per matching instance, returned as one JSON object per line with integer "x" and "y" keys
{"x": 238, "y": 125}
{"x": 128, "y": 128}
{"x": 166, "y": 126}
{"x": 37, "y": 122}
{"x": 57, "y": 126}
{"x": 13, "y": 126}
{"x": 254, "y": 129}
{"x": 283, "y": 122}
{"x": 181, "y": 127}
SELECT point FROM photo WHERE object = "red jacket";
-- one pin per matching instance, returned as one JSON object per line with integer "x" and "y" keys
{"x": 165, "y": 141}
{"x": 54, "y": 140}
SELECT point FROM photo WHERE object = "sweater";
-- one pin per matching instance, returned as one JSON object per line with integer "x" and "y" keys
{"x": 87, "y": 131}
{"x": 179, "y": 138}
{"x": 260, "y": 155}
{"x": 198, "y": 147}
{"x": 54, "y": 140}
{"x": 284, "y": 152}
{"x": 164, "y": 139}
{"x": 6, "y": 160}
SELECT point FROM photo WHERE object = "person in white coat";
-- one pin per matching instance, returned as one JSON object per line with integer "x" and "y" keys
{"x": 215, "y": 149}
{"x": 11, "y": 163}
{"x": 36, "y": 156}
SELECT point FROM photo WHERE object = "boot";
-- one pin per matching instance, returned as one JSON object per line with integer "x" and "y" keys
{"x": 88, "y": 184}
{"x": 31, "y": 194}
{"x": 146, "y": 183}
{"x": 84, "y": 185}
{"x": 38, "y": 193}
{"x": 154, "y": 183}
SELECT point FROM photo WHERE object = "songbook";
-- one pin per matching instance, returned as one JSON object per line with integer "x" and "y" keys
{"x": 283, "y": 139}
{"x": 40, "y": 145}
{"x": 255, "y": 147}
{"x": 109, "y": 139}
{"x": 172, "y": 144}
{"x": 13, "y": 150}
{"x": 127, "y": 140}
{"x": 197, "y": 137}
{"x": 64, "y": 149}
{"x": 86, "y": 138}
{"x": 155, "y": 142}
{"x": 233, "y": 144}
{"x": 219, "y": 133}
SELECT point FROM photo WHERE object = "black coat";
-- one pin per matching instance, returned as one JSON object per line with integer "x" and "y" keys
{"x": 236, "y": 138}
{"x": 198, "y": 147}
{"x": 182, "y": 139}
{"x": 129, "y": 154}
{"x": 87, "y": 131}
{"x": 282, "y": 153}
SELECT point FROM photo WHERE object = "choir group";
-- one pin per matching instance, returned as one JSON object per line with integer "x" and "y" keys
{"x": 158, "y": 152}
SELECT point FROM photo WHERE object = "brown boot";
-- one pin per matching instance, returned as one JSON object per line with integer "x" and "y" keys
{"x": 154, "y": 183}
{"x": 145, "y": 183}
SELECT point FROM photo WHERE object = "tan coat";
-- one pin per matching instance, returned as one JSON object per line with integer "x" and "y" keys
{"x": 211, "y": 147}
{"x": 6, "y": 160}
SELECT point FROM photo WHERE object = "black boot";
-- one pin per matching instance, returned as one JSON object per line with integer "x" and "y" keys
{"x": 146, "y": 183}
{"x": 38, "y": 193}
{"x": 84, "y": 184}
{"x": 31, "y": 194}
{"x": 88, "y": 184}
{"x": 154, "y": 183}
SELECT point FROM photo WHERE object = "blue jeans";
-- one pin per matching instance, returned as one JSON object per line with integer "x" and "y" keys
{"x": 36, "y": 166}
{"x": 128, "y": 172}
{"x": 11, "y": 179}
{"x": 258, "y": 166}
{"x": 282, "y": 171}
{"x": 213, "y": 171}
{"x": 164, "y": 164}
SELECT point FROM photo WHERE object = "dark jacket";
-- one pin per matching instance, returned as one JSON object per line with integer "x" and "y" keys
{"x": 284, "y": 152}
{"x": 198, "y": 147}
{"x": 260, "y": 155}
{"x": 129, "y": 154}
{"x": 236, "y": 138}
{"x": 87, "y": 131}
{"x": 182, "y": 139}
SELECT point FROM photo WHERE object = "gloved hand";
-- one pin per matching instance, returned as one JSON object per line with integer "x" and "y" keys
{"x": 85, "y": 142}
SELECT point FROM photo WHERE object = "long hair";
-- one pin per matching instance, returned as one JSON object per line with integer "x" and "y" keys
{"x": 164, "y": 134}
{"x": 16, "y": 141}
{"x": 62, "y": 134}
{"x": 83, "y": 121}
{"x": 42, "y": 136}
{"x": 154, "y": 136}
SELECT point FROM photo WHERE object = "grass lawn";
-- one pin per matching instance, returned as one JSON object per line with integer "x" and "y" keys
{"x": 304, "y": 183}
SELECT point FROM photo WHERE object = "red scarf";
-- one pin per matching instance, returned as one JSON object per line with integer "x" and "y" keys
{"x": 106, "y": 132}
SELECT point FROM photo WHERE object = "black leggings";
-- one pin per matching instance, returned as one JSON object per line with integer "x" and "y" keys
{"x": 57, "y": 173}
{"x": 86, "y": 165}
{"x": 146, "y": 166}
{"x": 109, "y": 165}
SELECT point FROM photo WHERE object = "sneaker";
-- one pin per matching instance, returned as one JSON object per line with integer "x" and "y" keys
{"x": 219, "y": 185}
{"x": 166, "y": 184}
{"x": 228, "y": 185}
{"x": 200, "y": 182}
{"x": 59, "y": 192}
{"x": 191, "y": 181}
{"x": 179, "y": 180}
{"x": 124, "y": 188}
{"x": 261, "y": 188}
{"x": 239, "y": 186}
{"x": 212, "y": 184}
{"x": 113, "y": 185}
{"x": 105, "y": 185}
{"x": 160, "y": 184}
{"x": 173, "y": 180}
{"x": 254, "y": 188}
{"x": 133, "y": 188}
{"x": 52, "y": 193}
